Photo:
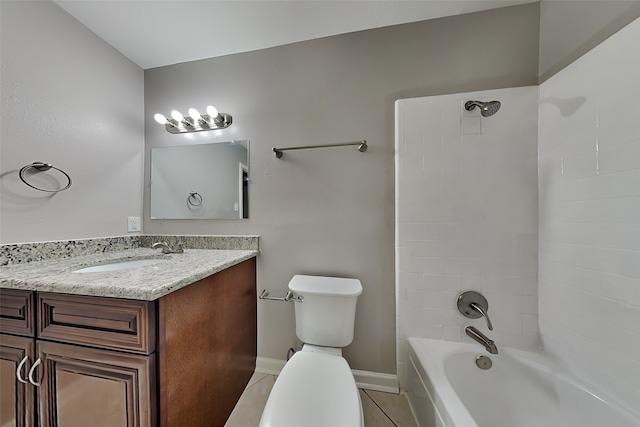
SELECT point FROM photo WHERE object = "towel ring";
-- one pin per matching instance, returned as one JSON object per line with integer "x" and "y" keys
{"x": 42, "y": 167}
{"x": 194, "y": 199}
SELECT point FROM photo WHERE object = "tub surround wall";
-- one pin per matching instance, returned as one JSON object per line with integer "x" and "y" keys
{"x": 466, "y": 217}
{"x": 589, "y": 237}
{"x": 589, "y": 184}
{"x": 70, "y": 99}
{"x": 330, "y": 211}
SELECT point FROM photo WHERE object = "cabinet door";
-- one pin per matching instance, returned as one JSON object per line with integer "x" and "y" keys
{"x": 16, "y": 398}
{"x": 82, "y": 387}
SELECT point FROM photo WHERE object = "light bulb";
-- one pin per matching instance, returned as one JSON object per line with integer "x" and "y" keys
{"x": 211, "y": 111}
{"x": 160, "y": 119}
{"x": 175, "y": 114}
{"x": 195, "y": 114}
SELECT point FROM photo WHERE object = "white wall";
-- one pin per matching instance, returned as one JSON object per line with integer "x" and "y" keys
{"x": 589, "y": 167}
{"x": 70, "y": 99}
{"x": 466, "y": 216}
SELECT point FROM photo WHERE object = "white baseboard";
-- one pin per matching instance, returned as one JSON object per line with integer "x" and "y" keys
{"x": 376, "y": 381}
{"x": 368, "y": 380}
{"x": 264, "y": 365}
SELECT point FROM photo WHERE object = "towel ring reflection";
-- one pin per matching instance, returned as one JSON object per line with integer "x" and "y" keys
{"x": 194, "y": 199}
{"x": 42, "y": 167}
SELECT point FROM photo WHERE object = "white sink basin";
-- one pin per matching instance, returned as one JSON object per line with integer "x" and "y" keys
{"x": 120, "y": 265}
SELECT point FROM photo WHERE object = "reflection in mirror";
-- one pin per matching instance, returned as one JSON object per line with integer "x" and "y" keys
{"x": 206, "y": 181}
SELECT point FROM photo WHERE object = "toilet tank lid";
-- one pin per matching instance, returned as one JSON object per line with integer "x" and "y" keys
{"x": 322, "y": 285}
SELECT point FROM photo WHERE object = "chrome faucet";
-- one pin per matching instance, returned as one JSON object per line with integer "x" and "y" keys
{"x": 166, "y": 249}
{"x": 488, "y": 344}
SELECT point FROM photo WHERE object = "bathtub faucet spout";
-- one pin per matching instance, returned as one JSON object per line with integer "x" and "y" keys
{"x": 488, "y": 344}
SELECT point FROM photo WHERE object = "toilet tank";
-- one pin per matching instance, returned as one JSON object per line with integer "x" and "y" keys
{"x": 327, "y": 312}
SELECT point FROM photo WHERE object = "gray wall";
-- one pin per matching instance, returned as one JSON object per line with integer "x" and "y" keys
{"x": 570, "y": 28}
{"x": 331, "y": 211}
{"x": 70, "y": 99}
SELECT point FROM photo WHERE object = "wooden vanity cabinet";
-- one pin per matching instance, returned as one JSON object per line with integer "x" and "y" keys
{"x": 182, "y": 360}
{"x": 17, "y": 397}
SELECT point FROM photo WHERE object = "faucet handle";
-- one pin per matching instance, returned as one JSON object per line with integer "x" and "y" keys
{"x": 474, "y": 305}
{"x": 482, "y": 311}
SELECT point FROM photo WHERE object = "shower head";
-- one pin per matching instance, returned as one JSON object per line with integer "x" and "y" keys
{"x": 487, "y": 109}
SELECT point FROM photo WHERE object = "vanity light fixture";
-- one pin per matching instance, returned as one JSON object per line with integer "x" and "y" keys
{"x": 195, "y": 122}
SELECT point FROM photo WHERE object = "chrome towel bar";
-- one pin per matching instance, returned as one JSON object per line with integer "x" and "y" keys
{"x": 362, "y": 147}
{"x": 288, "y": 297}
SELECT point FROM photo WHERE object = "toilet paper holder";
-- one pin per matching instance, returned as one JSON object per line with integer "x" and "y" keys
{"x": 288, "y": 297}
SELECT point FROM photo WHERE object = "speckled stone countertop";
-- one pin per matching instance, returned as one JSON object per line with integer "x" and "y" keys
{"x": 148, "y": 283}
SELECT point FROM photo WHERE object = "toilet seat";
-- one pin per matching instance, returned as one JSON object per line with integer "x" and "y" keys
{"x": 314, "y": 390}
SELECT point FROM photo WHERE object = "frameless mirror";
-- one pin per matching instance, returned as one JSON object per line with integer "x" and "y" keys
{"x": 206, "y": 181}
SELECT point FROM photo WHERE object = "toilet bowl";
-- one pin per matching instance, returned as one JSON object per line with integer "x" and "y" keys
{"x": 314, "y": 390}
{"x": 316, "y": 387}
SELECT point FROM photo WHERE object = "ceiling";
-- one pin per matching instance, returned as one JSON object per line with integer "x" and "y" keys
{"x": 155, "y": 33}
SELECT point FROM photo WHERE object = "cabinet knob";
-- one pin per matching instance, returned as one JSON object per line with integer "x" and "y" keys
{"x": 31, "y": 372}
{"x": 19, "y": 368}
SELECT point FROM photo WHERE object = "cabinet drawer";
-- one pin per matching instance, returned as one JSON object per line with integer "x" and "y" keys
{"x": 17, "y": 312}
{"x": 114, "y": 323}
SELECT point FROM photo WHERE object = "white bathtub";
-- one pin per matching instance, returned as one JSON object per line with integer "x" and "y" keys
{"x": 522, "y": 389}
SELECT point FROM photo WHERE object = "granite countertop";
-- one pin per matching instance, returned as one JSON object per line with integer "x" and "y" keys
{"x": 141, "y": 283}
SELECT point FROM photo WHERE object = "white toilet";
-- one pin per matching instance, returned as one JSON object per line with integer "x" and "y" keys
{"x": 316, "y": 387}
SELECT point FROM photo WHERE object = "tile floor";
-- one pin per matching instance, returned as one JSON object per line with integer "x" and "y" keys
{"x": 380, "y": 409}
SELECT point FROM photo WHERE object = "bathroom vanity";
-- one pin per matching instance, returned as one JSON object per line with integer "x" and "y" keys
{"x": 169, "y": 344}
